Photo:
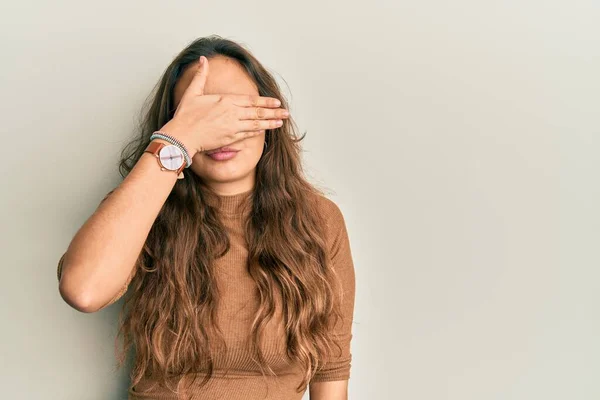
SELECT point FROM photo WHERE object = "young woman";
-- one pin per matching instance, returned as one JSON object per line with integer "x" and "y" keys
{"x": 238, "y": 272}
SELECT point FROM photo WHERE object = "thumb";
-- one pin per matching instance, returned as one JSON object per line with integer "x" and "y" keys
{"x": 196, "y": 86}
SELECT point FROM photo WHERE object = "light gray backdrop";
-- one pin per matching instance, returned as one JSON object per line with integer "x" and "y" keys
{"x": 460, "y": 139}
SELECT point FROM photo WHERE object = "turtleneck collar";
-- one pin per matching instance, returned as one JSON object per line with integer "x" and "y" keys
{"x": 234, "y": 204}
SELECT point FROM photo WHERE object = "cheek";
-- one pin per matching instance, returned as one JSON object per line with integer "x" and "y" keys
{"x": 255, "y": 145}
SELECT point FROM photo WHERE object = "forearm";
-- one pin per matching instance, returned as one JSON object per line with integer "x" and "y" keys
{"x": 102, "y": 254}
{"x": 329, "y": 390}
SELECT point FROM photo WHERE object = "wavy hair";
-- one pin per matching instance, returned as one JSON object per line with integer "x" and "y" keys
{"x": 169, "y": 313}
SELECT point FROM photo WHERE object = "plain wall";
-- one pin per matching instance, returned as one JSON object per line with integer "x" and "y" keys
{"x": 460, "y": 139}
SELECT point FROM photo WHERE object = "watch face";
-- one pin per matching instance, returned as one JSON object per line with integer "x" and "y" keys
{"x": 171, "y": 157}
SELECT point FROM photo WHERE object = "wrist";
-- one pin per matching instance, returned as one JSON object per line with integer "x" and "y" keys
{"x": 171, "y": 129}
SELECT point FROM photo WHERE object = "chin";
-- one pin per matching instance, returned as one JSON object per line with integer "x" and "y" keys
{"x": 224, "y": 174}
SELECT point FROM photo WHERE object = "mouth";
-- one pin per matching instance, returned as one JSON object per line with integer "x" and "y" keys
{"x": 222, "y": 150}
{"x": 222, "y": 154}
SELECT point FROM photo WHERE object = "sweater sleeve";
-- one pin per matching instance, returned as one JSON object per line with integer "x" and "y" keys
{"x": 337, "y": 367}
{"x": 123, "y": 289}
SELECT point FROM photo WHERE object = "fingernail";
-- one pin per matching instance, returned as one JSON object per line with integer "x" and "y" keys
{"x": 201, "y": 60}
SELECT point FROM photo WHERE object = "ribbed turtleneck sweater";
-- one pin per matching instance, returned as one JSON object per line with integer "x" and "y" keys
{"x": 236, "y": 375}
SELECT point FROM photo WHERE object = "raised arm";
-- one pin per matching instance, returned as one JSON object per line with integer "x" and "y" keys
{"x": 99, "y": 263}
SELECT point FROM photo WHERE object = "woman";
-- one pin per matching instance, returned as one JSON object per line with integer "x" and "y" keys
{"x": 238, "y": 272}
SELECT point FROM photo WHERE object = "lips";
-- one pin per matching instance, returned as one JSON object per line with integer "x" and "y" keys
{"x": 221, "y": 150}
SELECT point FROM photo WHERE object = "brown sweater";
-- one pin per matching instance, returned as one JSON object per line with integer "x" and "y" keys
{"x": 237, "y": 307}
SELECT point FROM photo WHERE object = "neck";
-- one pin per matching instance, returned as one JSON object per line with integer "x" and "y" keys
{"x": 235, "y": 204}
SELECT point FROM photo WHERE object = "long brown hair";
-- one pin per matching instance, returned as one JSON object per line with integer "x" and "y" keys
{"x": 173, "y": 292}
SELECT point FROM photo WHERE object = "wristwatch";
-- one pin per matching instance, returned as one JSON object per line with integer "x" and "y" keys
{"x": 169, "y": 156}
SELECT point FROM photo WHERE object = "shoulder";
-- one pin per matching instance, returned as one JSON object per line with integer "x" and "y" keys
{"x": 337, "y": 240}
{"x": 329, "y": 210}
{"x": 333, "y": 219}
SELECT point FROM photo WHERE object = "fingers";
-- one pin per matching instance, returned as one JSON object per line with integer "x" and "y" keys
{"x": 249, "y": 125}
{"x": 243, "y": 100}
{"x": 196, "y": 86}
{"x": 262, "y": 113}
